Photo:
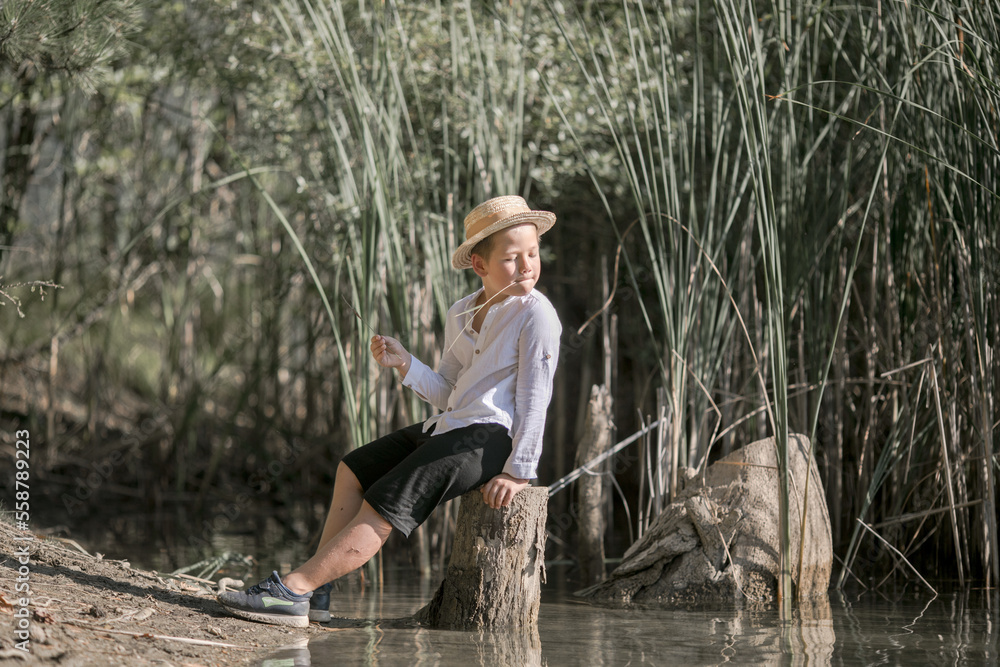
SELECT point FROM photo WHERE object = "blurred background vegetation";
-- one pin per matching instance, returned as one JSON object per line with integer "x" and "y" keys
{"x": 755, "y": 197}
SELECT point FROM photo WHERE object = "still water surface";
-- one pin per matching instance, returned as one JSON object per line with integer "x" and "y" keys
{"x": 868, "y": 629}
{"x": 908, "y": 627}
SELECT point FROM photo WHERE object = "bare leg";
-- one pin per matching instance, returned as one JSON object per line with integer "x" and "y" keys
{"x": 348, "y": 550}
{"x": 347, "y": 498}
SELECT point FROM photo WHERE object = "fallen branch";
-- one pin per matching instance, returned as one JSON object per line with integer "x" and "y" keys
{"x": 897, "y": 552}
{"x": 565, "y": 481}
{"x": 147, "y": 635}
{"x": 73, "y": 543}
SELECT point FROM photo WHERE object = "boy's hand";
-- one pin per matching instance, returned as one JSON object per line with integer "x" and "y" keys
{"x": 499, "y": 491}
{"x": 390, "y": 353}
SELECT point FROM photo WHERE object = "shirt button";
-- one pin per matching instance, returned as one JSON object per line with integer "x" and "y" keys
{"x": 477, "y": 351}
{"x": 449, "y": 409}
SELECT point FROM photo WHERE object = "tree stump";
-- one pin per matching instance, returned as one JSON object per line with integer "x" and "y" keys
{"x": 497, "y": 566}
{"x": 719, "y": 540}
{"x": 590, "y": 487}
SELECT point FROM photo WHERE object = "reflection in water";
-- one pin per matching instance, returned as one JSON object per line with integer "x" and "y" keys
{"x": 293, "y": 655}
{"x": 402, "y": 642}
{"x": 957, "y": 629}
{"x": 598, "y": 636}
{"x": 810, "y": 634}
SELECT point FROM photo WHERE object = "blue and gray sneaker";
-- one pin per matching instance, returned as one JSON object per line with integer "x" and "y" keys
{"x": 319, "y": 604}
{"x": 268, "y": 602}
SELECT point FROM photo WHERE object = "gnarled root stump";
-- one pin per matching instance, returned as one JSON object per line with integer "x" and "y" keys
{"x": 719, "y": 540}
{"x": 497, "y": 566}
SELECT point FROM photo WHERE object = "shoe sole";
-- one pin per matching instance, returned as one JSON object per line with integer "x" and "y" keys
{"x": 319, "y": 616}
{"x": 273, "y": 619}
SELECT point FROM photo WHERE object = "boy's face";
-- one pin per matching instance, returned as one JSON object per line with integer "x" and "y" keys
{"x": 513, "y": 259}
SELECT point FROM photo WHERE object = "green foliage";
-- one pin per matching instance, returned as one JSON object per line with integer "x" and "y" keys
{"x": 82, "y": 38}
{"x": 416, "y": 130}
{"x": 804, "y": 195}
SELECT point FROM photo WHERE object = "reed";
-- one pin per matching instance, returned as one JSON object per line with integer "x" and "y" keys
{"x": 747, "y": 62}
{"x": 804, "y": 195}
{"x": 909, "y": 89}
{"x": 818, "y": 125}
{"x": 684, "y": 189}
{"x": 935, "y": 109}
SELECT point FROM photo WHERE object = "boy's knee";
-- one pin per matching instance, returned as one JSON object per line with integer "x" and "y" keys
{"x": 382, "y": 527}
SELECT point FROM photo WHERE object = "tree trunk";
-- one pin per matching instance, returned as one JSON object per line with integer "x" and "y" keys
{"x": 589, "y": 488}
{"x": 20, "y": 157}
{"x": 497, "y": 566}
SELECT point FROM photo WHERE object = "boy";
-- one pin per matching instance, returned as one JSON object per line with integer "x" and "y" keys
{"x": 492, "y": 387}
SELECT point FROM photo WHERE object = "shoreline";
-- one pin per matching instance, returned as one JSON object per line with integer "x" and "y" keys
{"x": 93, "y": 610}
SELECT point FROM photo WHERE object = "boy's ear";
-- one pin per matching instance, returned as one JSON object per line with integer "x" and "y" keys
{"x": 479, "y": 265}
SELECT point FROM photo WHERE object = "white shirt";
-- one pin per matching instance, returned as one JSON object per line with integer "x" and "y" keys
{"x": 501, "y": 375}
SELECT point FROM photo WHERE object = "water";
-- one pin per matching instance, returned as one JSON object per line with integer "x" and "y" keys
{"x": 909, "y": 627}
{"x": 869, "y": 629}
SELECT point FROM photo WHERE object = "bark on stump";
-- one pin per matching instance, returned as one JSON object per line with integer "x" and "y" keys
{"x": 497, "y": 566}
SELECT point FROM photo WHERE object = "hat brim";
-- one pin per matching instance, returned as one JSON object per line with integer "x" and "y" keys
{"x": 542, "y": 220}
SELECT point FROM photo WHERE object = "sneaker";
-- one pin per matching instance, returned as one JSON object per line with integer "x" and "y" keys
{"x": 268, "y": 602}
{"x": 319, "y": 604}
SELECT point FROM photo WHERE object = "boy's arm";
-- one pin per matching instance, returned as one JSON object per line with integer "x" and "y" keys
{"x": 538, "y": 354}
{"x": 435, "y": 387}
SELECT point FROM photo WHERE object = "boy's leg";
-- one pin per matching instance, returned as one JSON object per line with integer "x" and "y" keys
{"x": 444, "y": 467}
{"x": 345, "y": 552}
{"x": 287, "y": 601}
{"x": 358, "y": 470}
{"x": 352, "y": 534}
{"x": 347, "y": 498}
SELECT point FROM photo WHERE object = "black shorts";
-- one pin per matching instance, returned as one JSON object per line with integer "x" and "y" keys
{"x": 406, "y": 474}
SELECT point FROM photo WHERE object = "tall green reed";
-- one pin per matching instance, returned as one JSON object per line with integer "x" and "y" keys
{"x": 906, "y": 81}
{"x": 814, "y": 128}
{"x": 927, "y": 69}
{"x": 665, "y": 119}
{"x": 745, "y": 53}
{"x": 688, "y": 179}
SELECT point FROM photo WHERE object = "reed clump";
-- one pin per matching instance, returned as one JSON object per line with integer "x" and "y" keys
{"x": 803, "y": 196}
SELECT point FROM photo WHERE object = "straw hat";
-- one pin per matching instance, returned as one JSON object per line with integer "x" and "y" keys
{"x": 493, "y": 215}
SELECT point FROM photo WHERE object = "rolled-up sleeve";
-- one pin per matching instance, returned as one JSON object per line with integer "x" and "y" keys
{"x": 538, "y": 355}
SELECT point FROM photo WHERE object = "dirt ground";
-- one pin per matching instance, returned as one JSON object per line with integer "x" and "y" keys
{"x": 92, "y": 610}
